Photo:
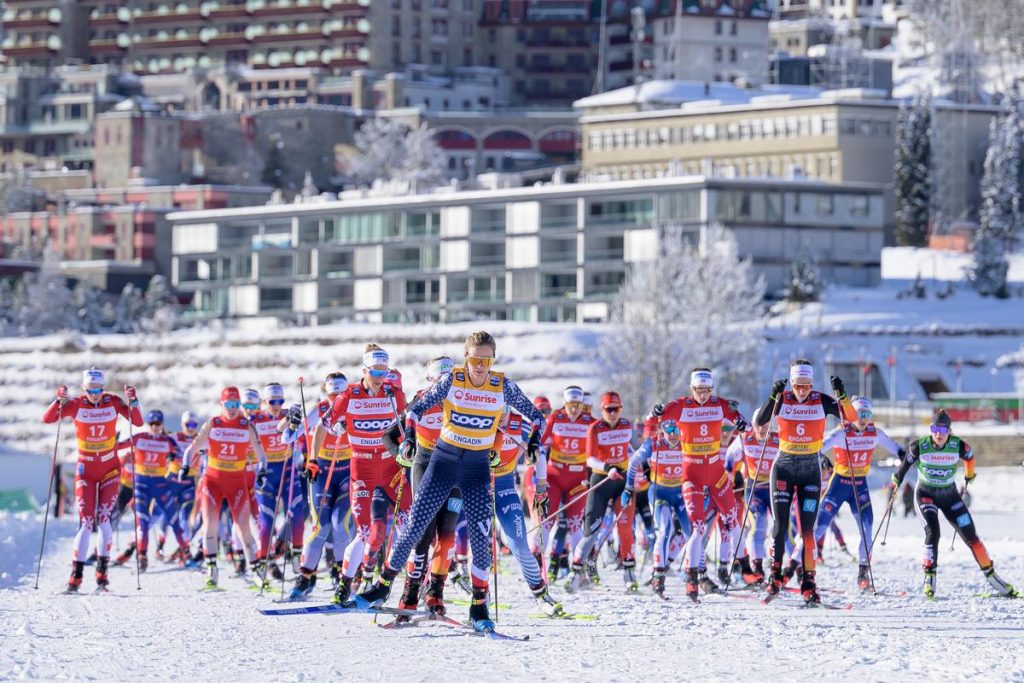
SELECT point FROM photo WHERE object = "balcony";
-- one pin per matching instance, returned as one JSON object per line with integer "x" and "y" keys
{"x": 289, "y": 37}
{"x": 534, "y": 67}
{"x": 170, "y": 43}
{"x": 28, "y": 50}
{"x": 598, "y": 255}
{"x": 34, "y": 21}
{"x": 108, "y": 19}
{"x": 144, "y": 19}
{"x": 105, "y": 47}
{"x": 279, "y": 12}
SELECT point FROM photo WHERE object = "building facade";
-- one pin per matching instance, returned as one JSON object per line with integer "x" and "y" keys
{"x": 551, "y": 253}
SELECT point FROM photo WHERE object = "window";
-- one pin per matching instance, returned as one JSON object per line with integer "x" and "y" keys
{"x": 825, "y": 205}
{"x": 732, "y": 55}
{"x": 718, "y": 27}
{"x": 718, "y": 56}
{"x": 860, "y": 206}
{"x": 733, "y": 28}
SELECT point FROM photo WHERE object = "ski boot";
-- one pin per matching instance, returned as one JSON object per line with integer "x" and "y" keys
{"x": 460, "y": 577}
{"x": 342, "y": 591}
{"x": 377, "y": 593}
{"x": 707, "y": 586}
{"x": 75, "y": 582}
{"x": 552, "y": 569}
{"x": 102, "y": 563}
{"x": 577, "y": 578}
{"x": 592, "y": 576}
{"x": 435, "y": 595}
{"x": 750, "y": 576}
{"x": 123, "y": 558}
{"x": 410, "y": 600}
{"x": 564, "y": 563}
{"x": 929, "y": 583}
{"x": 629, "y": 576}
{"x": 863, "y": 578}
{"x": 296, "y": 559}
{"x": 693, "y": 585}
{"x": 335, "y": 574}
{"x": 240, "y": 564}
{"x": 479, "y": 616}
{"x": 809, "y": 589}
{"x": 212, "y": 574}
{"x": 999, "y": 587}
{"x": 195, "y": 561}
{"x": 790, "y": 571}
{"x": 758, "y": 566}
{"x": 724, "y": 576}
{"x": 775, "y": 582}
{"x": 303, "y": 586}
{"x": 547, "y": 604}
{"x": 658, "y": 581}
{"x": 259, "y": 570}
{"x": 275, "y": 571}
{"x": 143, "y": 562}
{"x": 160, "y": 548}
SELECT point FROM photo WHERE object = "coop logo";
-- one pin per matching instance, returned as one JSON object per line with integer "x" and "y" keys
{"x": 472, "y": 421}
{"x": 372, "y": 425}
{"x": 469, "y": 397}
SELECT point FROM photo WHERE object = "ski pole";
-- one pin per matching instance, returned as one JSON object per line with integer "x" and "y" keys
{"x": 49, "y": 493}
{"x": 566, "y": 506}
{"x": 135, "y": 493}
{"x": 494, "y": 545}
{"x": 273, "y": 520}
{"x": 955, "y": 533}
{"x": 856, "y": 500}
{"x": 289, "y": 518}
{"x": 750, "y": 494}
{"x": 886, "y": 517}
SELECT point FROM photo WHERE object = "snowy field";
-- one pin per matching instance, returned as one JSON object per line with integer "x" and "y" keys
{"x": 170, "y": 631}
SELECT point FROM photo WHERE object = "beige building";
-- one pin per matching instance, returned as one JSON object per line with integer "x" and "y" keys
{"x": 137, "y": 141}
{"x": 720, "y": 130}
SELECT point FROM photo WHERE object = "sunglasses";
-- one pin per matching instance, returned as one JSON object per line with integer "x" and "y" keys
{"x": 156, "y": 424}
{"x": 191, "y": 425}
{"x": 940, "y": 429}
{"x": 864, "y": 415}
{"x": 232, "y": 405}
{"x": 251, "y": 406}
{"x": 92, "y": 392}
{"x": 276, "y": 402}
{"x": 670, "y": 429}
{"x": 613, "y": 409}
{"x": 574, "y": 404}
{"x": 377, "y": 373}
{"x": 478, "y": 362}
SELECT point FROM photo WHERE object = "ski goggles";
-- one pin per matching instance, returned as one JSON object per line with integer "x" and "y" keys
{"x": 864, "y": 415}
{"x": 670, "y": 428}
{"x": 276, "y": 402}
{"x": 191, "y": 424}
{"x": 247, "y": 406}
{"x": 377, "y": 374}
{"x": 94, "y": 391}
{"x": 612, "y": 409}
{"x": 155, "y": 424}
{"x": 940, "y": 429}
{"x": 232, "y": 405}
{"x": 479, "y": 362}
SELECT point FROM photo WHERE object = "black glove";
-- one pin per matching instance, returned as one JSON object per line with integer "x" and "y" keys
{"x": 741, "y": 425}
{"x": 311, "y": 470}
{"x": 295, "y": 416}
{"x": 183, "y": 473}
{"x": 261, "y": 478}
{"x": 777, "y": 389}
{"x": 647, "y": 470}
{"x": 838, "y": 388}
{"x": 391, "y": 439}
{"x": 657, "y": 410}
{"x": 533, "y": 446}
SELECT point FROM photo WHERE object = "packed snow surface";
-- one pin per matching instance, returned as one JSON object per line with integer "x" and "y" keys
{"x": 169, "y": 630}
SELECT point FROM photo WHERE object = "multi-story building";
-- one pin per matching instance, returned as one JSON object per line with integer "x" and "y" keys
{"x": 711, "y": 41}
{"x": 552, "y": 253}
{"x": 778, "y": 131}
{"x": 161, "y": 36}
{"x": 47, "y": 115}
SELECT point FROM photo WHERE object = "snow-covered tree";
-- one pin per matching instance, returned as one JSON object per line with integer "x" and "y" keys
{"x": 17, "y": 193}
{"x": 130, "y": 310}
{"x": 161, "y": 308}
{"x": 805, "y": 280}
{"x": 8, "y": 310}
{"x": 912, "y": 173}
{"x": 1001, "y": 216}
{"x": 45, "y": 300}
{"x": 88, "y": 306}
{"x": 684, "y": 309}
{"x": 387, "y": 150}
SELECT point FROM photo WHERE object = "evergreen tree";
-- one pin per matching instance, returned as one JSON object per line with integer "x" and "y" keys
{"x": 161, "y": 308}
{"x": 389, "y": 151}
{"x": 88, "y": 306}
{"x": 805, "y": 280}
{"x": 912, "y": 174}
{"x": 130, "y": 311}
{"x": 45, "y": 301}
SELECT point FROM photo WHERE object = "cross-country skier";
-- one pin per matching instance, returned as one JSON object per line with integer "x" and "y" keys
{"x": 759, "y": 450}
{"x": 473, "y": 398}
{"x": 94, "y": 414}
{"x": 936, "y": 457}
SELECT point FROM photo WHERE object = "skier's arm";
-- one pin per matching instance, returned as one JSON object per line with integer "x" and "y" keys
{"x": 841, "y": 409}
{"x": 257, "y": 448}
{"x": 834, "y": 438}
{"x": 734, "y": 454}
{"x": 886, "y": 442}
{"x": 55, "y": 410}
{"x": 515, "y": 398}
{"x": 640, "y": 456}
{"x": 201, "y": 441}
{"x": 431, "y": 397}
{"x": 594, "y": 462}
{"x": 768, "y": 410}
{"x": 732, "y": 413}
{"x": 967, "y": 455}
{"x": 129, "y": 411}
{"x": 906, "y": 464}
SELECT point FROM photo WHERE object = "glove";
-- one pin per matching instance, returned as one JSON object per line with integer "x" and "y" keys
{"x": 896, "y": 479}
{"x": 741, "y": 425}
{"x": 311, "y": 470}
{"x": 627, "y": 495}
{"x": 295, "y": 416}
{"x": 777, "y": 389}
{"x": 533, "y": 446}
{"x": 657, "y": 410}
{"x": 261, "y": 478}
{"x": 838, "y": 388}
{"x": 183, "y": 473}
{"x": 62, "y": 394}
{"x": 406, "y": 453}
{"x": 970, "y": 477}
{"x": 131, "y": 394}
{"x": 540, "y": 501}
{"x": 495, "y": 458}
{"x": 614, "y": 474}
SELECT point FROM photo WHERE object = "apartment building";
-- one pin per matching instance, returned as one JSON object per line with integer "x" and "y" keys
{"x": 553, "y": 253}
{"x": 45, "y": 33}
{"x": 775, "y": 132}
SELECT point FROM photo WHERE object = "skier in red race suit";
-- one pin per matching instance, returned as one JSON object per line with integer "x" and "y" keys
{"x": 97, "y": 471}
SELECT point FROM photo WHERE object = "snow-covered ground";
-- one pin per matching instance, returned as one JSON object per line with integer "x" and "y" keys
{"x": 168, "y": 630}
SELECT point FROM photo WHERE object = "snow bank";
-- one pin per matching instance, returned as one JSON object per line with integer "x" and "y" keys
{"x": 20, "y": 533}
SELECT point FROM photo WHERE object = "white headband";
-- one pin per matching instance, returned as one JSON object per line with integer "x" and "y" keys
{"x": 572, "y": 394}
{"x": 438, "y": 368}
{"x": 93, "y": 376}
{"x": 272, "y": 391}
{"x": 803, "y": 373}
{"x": 376, "y": 357}
{"x": 702, "y": 379}
{"x": 336, "y": 385}
{"x": 250, "y": 394}
{"x": 862, "y": 403}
